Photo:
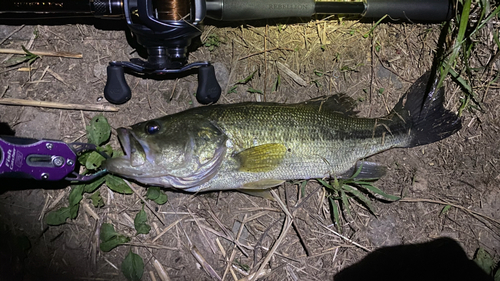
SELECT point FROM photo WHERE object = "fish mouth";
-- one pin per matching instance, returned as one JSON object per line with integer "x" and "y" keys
{"x": 124, "y": 138}
{"x": 134, "y": 150}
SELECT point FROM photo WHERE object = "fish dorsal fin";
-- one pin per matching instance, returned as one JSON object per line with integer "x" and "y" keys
{"x": 262, "y": 184}
{"x": 261, "y": 158}
{"x": 340, "y": 103}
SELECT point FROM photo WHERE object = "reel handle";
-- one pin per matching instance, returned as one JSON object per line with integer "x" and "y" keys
{"x": 116, "y": 90}
{"x": 208, "y": 88}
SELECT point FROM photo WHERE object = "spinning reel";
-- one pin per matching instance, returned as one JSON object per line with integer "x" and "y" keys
{"x": 166, "y": 28}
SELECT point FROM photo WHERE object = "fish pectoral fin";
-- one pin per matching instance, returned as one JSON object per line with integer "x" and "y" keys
{"x": 366, "y": 170}
{"x": 266, "y": 194}
{"x": 261, "y": 158}
{"x": 261, "y": 184}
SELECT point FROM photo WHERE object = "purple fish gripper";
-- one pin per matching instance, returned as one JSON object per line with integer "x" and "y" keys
{"x": 39, "y": 159}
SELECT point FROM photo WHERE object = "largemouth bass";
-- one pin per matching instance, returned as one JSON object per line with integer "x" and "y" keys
{"x": 255, "y": 146}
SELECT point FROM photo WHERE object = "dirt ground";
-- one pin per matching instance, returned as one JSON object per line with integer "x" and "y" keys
{"x": 330, "y": 56}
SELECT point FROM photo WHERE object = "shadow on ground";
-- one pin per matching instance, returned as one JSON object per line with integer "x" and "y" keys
{"x": 440, "y": 259}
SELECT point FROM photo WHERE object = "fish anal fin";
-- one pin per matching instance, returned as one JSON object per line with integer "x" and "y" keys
{"x": 340, "y": 103}
{"x": 261, "y": 158}
{"x": 369, "y": 171}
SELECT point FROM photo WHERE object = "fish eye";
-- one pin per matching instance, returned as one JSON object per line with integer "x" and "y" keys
{"x": 152, "y": 127}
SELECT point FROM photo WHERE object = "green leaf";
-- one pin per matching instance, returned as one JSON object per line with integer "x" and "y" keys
{"x": 232, "y": 90}
{"x": 92, "y": 186}
{"x": 253, "y": 91}
{"x": 133, "y": 267}
{"x": 162, "y": 199}
{"x": 247, "y": 79}
{"x": 117, "y": 184}
{"x": 97, "y": 200}
{"x": 94, "y": 160}
{"x": 107, "y": 149}
{"x": 98, "y": 131}
{"x": 82, "y": 159}
{"x": 16, "y": 60}
{"x": 373, "y": 28}
{"x": 345, "y": 202}
{"x": 245, "y": 267}
{"x": 336, "y": 213}
{"x": 140, "y": 222}
{"x": 30, "y": 54}
{"x": 325, "y": 184}
{"x": 58, "y": 217}
{"x": 153, "y": 192}
{"x": 73, "y": 211}
{"x": 29, "y": 57}
{"x": 107, "y": 232}
{"x": 360, "y": 196}
{"x": 484, "y": 260}
{"x": 358, "y": 171}
{"x": 156, "y": 194}
{"x": 374, "y": 189}
{"x": 445, "y": 209}
{"x": 110, "y": 238}
{"x": 497, "y": 275}
{"x": 303, "y": 188}
{"x": 109, "y": 245}
{"x": 75, "y": 196}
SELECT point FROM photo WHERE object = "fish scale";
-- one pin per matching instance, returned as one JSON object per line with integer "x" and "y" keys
{"x": 327, "y": 143}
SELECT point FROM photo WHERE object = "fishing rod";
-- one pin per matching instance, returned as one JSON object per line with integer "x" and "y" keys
{"x": 165, "y": 28}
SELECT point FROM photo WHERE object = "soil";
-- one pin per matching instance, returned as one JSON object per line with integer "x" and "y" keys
{"x": 451, "y": 204}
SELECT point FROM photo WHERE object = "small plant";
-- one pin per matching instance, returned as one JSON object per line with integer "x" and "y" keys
{"x": 133, "y": 266}
{"x": 347, "y": 68}
{"x": 457, "y": 57}
{"x": 254, "y": 91}
{"x": 243, "y": 81}
{"x": 28, "y": 57}
{"x": 366, "y": 35}
{"x": 486, "y": 262}
{"x": 317, "y": 73}
{"x": 341, "y": 191}
{"x": 98, "y": 133}
{"x": 276, "y": 84}
{"x": 212, "y": 41}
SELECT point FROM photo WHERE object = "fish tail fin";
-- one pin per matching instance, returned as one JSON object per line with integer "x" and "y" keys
{"x": 424, "y": 114}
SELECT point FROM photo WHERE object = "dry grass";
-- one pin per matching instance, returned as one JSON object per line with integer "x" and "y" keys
{"x": 232, "y": 236}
